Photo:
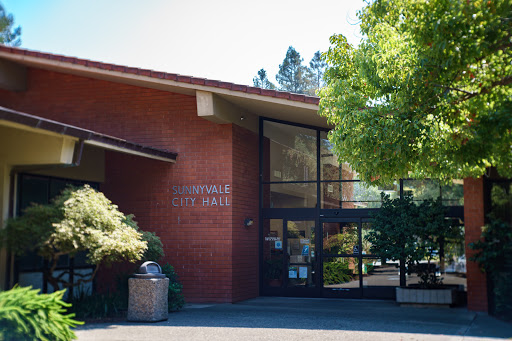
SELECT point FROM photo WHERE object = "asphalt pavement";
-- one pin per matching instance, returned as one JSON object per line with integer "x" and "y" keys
{"x": 311, "y": 319}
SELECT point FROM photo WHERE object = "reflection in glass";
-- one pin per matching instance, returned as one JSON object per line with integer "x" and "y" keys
{"x": 273, "y": 265}
{"x": 330, "y": 168}
{"x": 453, "y": 194}
{"x": 289, "y": 195}
{"x": 341, "y": 272}
{"x": 291, "y": 153}
{"x": 449, "y": 261}
{"x": 340, "y": 238}
{"x": 378, "y": 274}
{"x": 422, "y": 189}
{"x": 354, "y": 194}
{"x": 301, "y": 253}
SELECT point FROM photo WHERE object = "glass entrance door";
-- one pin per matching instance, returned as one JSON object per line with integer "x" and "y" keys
{"x": 349, "y": 268}
{"x": 290, "y": 260}
{"x": 340, "y": 259}
{"x": 301, "y": 257}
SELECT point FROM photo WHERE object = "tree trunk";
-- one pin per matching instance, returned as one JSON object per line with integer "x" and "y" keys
{"x": 402, "y": 273}
{"x": 441, "y": 255}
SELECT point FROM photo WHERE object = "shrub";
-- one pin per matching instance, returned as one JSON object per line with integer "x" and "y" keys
{"x": 76, "y": 220}
{"x": 337, "y": 273}
{"x": 176, "y": 299}
{"x": 27, "y": 315}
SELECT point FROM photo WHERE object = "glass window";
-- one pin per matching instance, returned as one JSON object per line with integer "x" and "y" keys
{"x": 330, "y": 168}
{"x": 354, "y": 194}
{"x": 453, "y": 194}
{"x": 340, "y": 238}
{"x": 273, "y": 257}
{"x": 341, "y": 272}
{"x": 290, "y": 153}
{"x": 290, "y": 195}
{"x": 422, "y": 189}
{"x": 301, "y": 253}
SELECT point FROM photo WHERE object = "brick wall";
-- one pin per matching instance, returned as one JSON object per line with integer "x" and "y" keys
{"x": 245, "y": 205}
{"x": 474, "y": 220}
{"x": 214, "y": 255}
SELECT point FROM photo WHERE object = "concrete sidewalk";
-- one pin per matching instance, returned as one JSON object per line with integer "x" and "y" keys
{"x": 277, "y": 318}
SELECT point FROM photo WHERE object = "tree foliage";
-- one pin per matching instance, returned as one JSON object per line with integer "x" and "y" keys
{"x": 427, "y": 92}
{"x": 77, "y": 220}
{"x": 27, "y": 315}
{"x": 409, "y": 233}
{"x": 9, "y": 35}
{"x": 262, "y": 81}
{"x": 317, "y": 67}
{"x": 294, "y": 76}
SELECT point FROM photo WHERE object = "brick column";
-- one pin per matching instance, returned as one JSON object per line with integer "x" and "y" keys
{"x": 474, "y": 216}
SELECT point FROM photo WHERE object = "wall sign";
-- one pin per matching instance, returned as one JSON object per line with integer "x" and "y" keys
{"x": 201, "y": 195}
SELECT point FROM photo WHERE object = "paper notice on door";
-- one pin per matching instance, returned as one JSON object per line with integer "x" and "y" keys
{"x": 303, "y": 272}
{"x": 292, "y": 272}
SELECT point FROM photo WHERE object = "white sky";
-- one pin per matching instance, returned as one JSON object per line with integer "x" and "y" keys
{"x": 222, "y": 40}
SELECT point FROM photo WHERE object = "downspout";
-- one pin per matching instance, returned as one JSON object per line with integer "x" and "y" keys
{"x": 75, "y": 161}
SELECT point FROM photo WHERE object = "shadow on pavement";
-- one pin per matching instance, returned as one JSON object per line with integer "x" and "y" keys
{"x": 331, "y": 314}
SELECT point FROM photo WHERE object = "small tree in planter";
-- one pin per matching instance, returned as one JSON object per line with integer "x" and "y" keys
{"x": 404, "y": 232}
{"x": 77, "y": 220}
{"x": 394, "y": 232}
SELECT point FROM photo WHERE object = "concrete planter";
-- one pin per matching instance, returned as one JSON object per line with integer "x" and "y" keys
{"x": 426, "y": 296}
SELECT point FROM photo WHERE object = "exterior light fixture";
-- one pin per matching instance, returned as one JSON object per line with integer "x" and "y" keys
{"x": 248, "y": 222}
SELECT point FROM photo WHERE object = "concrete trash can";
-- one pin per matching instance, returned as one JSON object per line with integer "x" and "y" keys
{"x": 148, "y": 294}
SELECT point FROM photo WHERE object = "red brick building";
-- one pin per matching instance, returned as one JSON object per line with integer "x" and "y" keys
{"x": 197, "y": 161}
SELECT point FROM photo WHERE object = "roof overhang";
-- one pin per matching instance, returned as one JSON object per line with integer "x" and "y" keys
{"x": 247, "y": 101}
{"x": 25, "y": 121}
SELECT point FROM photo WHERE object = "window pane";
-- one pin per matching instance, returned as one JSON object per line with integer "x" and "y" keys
{"x": 273, "y": 265}
{"x": 422, "y": 189}
{"x": 289, "y": 153}
{"x": 340, "y": 239}
{"x": 354, "y": 194}
{"x": 301, "y": 253}
{"x": 453, "y": 194}
{"x": 289, "y": 195}
{"x": 34, "y": 189}
{"x": 341, "y": 272}
{"x": 378, "y": 274}
{"x": 330, "y": 168}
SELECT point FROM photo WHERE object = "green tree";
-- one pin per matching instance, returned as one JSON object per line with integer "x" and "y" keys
{"x": 77, "y": 220}
{"x": 9, "y": 35}
{"x": 394, "y": 233}
{"x": 261, "y": 80}
{"x": 292, "y": 75}
{"x": 317, "y": 67}
{"x": 426, "y": 94}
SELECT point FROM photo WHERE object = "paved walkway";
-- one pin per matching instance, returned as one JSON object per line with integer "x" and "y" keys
{"x": 276, "y": 318}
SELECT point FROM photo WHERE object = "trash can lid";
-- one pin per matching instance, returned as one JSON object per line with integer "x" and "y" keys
{"x": 150, "y": 270}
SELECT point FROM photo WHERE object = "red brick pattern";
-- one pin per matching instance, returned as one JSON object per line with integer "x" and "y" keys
{"x": 474, "y": 220}
{"x": 245, "y": 205}
{"x": 161, "y": 75}
{"x": 214, "y": 255}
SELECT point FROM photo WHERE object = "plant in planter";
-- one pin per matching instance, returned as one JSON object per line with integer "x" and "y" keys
{"x": 394, "y": 233}
{"x": 410, "y": 234}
